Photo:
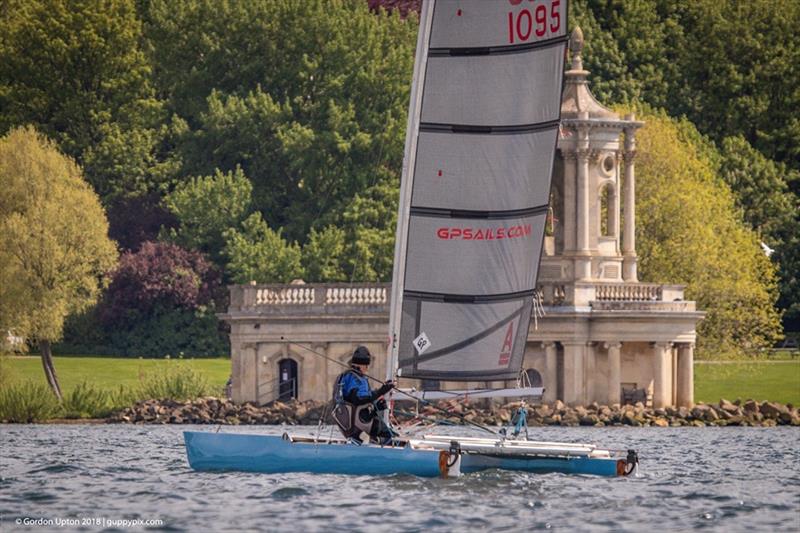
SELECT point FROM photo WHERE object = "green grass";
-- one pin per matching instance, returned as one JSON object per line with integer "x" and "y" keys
{"x": 109, "y": 373}
{"x": 776, "y": 382}
{"x": 779, "y": 382}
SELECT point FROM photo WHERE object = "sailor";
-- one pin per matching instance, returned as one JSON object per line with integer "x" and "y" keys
{"x": 357, "y": 409}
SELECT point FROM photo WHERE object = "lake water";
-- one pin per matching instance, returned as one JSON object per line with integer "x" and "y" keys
{"x": 718, "y": 479}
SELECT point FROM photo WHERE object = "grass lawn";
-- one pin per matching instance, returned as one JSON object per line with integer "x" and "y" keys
{"x": 109, "y": 372}
{"x": 777, "y": 382}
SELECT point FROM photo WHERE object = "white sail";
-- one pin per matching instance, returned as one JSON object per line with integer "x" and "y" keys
{"x": 480, "y": 145}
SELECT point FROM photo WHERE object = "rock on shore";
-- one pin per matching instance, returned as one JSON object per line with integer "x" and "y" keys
{"x": 222, "y": 411}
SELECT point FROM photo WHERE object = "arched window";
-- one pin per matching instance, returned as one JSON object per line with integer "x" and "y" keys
{"x": 287, "y": 379}
{"x": 532, "y": 378}
{"x": 606, "y": 211}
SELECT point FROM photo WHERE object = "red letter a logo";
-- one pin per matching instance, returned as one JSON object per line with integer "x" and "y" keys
{"x": 508, "y": 344}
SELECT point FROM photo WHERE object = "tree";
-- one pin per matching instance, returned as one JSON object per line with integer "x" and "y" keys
{"x": 769, "y": 206}
{"x": 689, "y": 231}
{"x": 258, "y": 253}
{"x": 369, "y": 221}
{"x": 310, "y": 98}
{"x": 76, "y": 70}
{"x": 54, "y": 245}
{"x": 324, "y": 255}
{"x": 159, "y": 274}
{"x": 738, "y": 73}
{"x": 206, "y": 207}
{"x": 161, "y": 300}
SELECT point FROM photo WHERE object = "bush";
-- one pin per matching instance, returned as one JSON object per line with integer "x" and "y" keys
{"x": 177, "y": 383}
{"x": 193, "y": 333}
{"x": 159, "y": 275}
{"x": 28, "y": 402}
{"x": 85, "y": 401}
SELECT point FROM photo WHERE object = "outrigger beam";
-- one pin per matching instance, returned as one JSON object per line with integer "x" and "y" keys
{"x": 521, "y": 392}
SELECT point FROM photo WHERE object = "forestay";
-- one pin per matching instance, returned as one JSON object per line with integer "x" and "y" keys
{"x": 483, "y": 124}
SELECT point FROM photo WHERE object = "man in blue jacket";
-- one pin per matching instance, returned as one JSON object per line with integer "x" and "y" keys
{"x": 356, "y": 407}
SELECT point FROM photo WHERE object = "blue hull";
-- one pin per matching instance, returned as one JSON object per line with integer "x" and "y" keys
{"x": 272, "y": 455}
{"x": 541, "y": 465}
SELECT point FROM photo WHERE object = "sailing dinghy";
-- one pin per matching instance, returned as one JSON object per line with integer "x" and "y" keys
{"x": 480, "y": 146}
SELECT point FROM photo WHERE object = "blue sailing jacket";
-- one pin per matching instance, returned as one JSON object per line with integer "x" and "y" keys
{"x": 355, "y": 388}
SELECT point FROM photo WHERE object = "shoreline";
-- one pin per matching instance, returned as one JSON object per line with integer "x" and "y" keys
{"x": 216, "y": 411}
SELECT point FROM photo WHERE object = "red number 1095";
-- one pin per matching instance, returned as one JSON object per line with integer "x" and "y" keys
{"x": 523, "y": 24}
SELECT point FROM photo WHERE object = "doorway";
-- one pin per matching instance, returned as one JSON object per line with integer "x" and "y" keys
{"x": 287, "y": 379}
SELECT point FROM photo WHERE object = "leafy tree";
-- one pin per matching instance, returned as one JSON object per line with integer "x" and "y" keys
{"x": 158, "y": 275}
{"x": 75, "y": 69}
{"x": 369, "y": 222}
{"x": 631, "y": 48}
{"x": 54, "y": 245}
{"x": 323, "y": 255}
{"x": 404, "y": 6}
{"x": 206, "y": 207}
{"x": 138, "y": 219}
{"x": 762, "y": 191}
{"x": 282, "y": 88}
{"x": 689, "y": 231}
{"x": 738, "y": 73}
{"x": 258, "y": 253}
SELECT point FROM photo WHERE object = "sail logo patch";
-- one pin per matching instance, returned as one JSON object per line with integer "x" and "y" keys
{"x": 421, "y": 343}
{"x": 508, "y": 344}
{"x": 484, "y": 234}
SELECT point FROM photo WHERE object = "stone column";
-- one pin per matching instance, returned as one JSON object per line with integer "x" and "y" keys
{"x": 615, "y": 205}
{"x": 614, "y": 372}
{"x": 685, "y": 375}
{"x": 573, "y": 372}
{"x": 583, "y": 263}
{"x": 629, "y": 237}
{"x": 236, "y": 372}
{"x": 551, "y": 372}
{"x": 248, "y": 372}
{"x": 589, "y": 373}
{"x": 570, "y": 215}
{"x": 661, "y": 378}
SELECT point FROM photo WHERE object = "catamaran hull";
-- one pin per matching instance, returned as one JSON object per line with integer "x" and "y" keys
{"x": 272, "y": 455}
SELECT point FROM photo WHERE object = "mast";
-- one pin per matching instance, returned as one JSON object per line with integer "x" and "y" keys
{"x": 406, "y": 184}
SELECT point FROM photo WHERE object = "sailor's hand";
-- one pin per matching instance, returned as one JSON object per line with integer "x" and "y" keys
{"x": 381, "y": 404}
{"x": 389, "y": 385}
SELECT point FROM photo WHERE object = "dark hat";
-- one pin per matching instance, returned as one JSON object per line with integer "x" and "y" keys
{"x": 361, "y": 356}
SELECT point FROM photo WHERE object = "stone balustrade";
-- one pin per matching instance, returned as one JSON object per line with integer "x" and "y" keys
{"x": 374, "y": 297}
{"x": 627, "y": 292}
{"x": 309, "y": 297}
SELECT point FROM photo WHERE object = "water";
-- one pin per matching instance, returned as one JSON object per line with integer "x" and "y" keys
{"x": 718, "y": 479}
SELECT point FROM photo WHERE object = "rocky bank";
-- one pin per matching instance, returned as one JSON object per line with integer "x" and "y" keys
{"x": 221, "y": 411}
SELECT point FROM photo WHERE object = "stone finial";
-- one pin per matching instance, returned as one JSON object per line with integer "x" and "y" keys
{"x": 576, "y": 47}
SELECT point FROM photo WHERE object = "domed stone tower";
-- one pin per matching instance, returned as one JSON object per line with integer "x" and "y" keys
{"x": 592, "y": 223}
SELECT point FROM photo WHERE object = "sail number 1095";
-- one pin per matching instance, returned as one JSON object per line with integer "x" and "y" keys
{"x": 534, "y": 21}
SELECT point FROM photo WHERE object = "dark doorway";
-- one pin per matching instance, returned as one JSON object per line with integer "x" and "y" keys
{"x": 287, "y": 379}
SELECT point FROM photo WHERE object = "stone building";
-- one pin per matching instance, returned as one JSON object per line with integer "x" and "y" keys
{"x": 605, "y": 336}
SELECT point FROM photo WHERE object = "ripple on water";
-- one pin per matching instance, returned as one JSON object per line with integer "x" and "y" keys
{"x": 719, "y": 479}
{"x": 288, "y": 493}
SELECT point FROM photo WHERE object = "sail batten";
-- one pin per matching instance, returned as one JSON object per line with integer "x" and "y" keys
{"x": 480, "y": 152}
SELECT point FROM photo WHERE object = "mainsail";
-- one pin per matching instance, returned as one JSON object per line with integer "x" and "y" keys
{"x": 483, "y": 124}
